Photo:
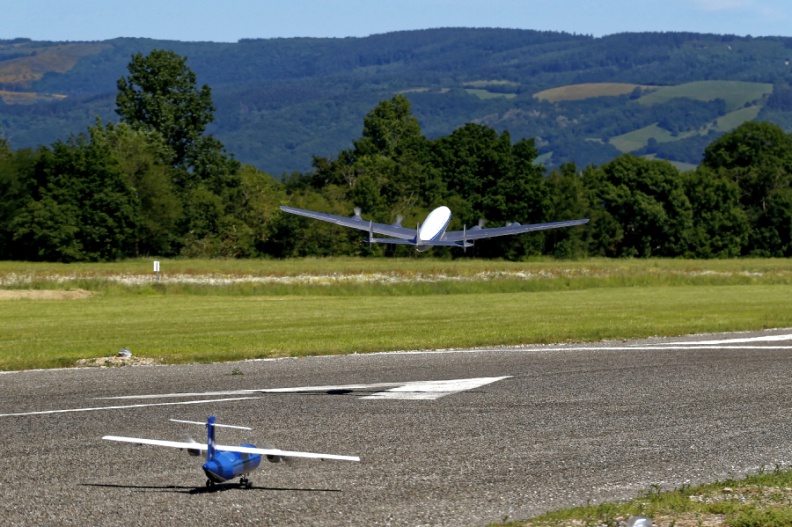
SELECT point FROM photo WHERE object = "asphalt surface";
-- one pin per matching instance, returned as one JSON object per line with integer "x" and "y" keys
{"x": 570, "y": 424}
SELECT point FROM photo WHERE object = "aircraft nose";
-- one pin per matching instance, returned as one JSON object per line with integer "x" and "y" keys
{"x": 214, "y": 471}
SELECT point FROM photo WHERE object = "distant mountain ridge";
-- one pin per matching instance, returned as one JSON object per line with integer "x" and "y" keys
{"x": 281, "y": 101}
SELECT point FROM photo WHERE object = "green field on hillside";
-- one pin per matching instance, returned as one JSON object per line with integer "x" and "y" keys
{"x": 632, "y": 141}
{"x": 576, "y": 92}
{"x": 732, "y": 120}
{"x": 736, "y": 94}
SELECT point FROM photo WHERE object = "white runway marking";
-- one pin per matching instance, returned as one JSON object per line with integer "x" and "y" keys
{"x": 430, "y": 390}
{"x": 681, "y": 345}
{"x": 97, "y": 408}
{"x": 185, "y": 394}
{"x": 419, "y": 390}
{"x": 768, "y": 338}
{"x": 398, "y": 390}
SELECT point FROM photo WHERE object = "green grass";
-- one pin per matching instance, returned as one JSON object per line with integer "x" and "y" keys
{"x": 735, "y": 93}
{"x": 636, "y": 139}
{"x": 631, "y": 141}
{"x": 759, "y": 500}
{"x": 732, "y": 120}
{"x": 486, "y": 94}
{"x": 308, "y": 307}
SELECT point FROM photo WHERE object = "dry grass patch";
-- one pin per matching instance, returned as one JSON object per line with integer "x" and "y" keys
{"x": 36, "y": 294}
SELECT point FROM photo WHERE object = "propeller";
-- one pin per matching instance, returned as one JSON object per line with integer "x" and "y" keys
{"x": 357, "y": 214}
{"x": 398, "y": 222}
{"x": 464, "y": 238}
{"x": 276, "y": 459}
{"x": 192, "y": 451}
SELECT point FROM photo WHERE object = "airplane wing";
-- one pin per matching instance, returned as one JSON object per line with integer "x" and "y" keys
{"x": 158, "y": 442}
{"x": 284, "y": 453}
{"x": 241, "y": 449}
{"x": 355, "y": 222}
{"x": 477, "y": 233}
{"x": 408, "y": 236}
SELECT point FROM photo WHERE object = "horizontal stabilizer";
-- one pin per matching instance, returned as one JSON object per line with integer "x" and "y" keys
{"x": 217, "y": 425}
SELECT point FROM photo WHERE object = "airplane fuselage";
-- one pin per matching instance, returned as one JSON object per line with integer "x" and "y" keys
{"x": 229, "y": 465}
{"x": 433, "y": 228}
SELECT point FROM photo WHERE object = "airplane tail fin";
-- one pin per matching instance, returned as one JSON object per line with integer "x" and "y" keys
{"x": 210, "y": 438}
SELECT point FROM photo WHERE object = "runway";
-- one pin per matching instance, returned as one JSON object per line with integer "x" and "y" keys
{"x": 448, "y": 437}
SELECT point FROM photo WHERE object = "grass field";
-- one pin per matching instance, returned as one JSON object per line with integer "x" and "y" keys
{"x": 632, "y": 141}
{"x": 732, "y": 120}
{"x": 760, "y": 500}
{"x": 213, "y": 310}
{"x": 636, "y": 139}
{"x": 575, "y": 92}
{"x": 735, "y": 93}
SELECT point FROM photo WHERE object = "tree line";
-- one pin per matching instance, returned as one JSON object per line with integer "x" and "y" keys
{"x": 156, "y": 184}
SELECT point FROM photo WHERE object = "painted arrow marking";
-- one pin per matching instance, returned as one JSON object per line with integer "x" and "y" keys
{"x": 433, "y": 389}
{"x": 426, "y": 390}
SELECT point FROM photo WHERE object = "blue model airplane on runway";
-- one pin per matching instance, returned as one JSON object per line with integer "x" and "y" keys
{"x": 223, "y": 462}
{"x": 433, "y": 230}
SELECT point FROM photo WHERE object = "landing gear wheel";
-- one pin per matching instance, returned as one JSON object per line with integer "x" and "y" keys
{"x": 209, "y": 483}
{"x": 245, "y": 483}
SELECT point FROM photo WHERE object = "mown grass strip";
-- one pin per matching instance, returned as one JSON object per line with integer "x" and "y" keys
{"x": 759, "y": 500}
{"x": 182, "y": 328}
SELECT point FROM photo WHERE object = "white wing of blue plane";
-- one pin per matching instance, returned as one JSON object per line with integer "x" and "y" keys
{"x": 433, "y": 230}
{"x": 276, "y": 452}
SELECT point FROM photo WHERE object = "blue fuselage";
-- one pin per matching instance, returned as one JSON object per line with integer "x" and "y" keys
{"x": 229, "y": 465}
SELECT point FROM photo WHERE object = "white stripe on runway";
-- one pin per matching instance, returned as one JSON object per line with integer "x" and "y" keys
{"x": 426, "y": 390}
{"x": 97, "y": 408}
{"x": 768, "y": 338}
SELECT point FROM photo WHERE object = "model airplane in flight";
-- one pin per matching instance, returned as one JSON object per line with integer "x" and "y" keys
{"x": 432, "y": 232}
{"x": 223, "y": 462}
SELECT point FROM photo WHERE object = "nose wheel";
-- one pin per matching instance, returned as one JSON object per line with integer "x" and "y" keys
{"x": 245, "y": 483}
{"x": 209, "y": 483}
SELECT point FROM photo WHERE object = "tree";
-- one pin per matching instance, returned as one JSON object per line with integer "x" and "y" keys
{"x": 390, "y": 130}
{"x": 569, "y": 199}
{"x": 143, "y": 160}
{"x": 392, "y": 155}
{"x": 161, "y": 94}
{"x": 640, "y": 208}
{"x": 16, "y": 171}
{"x": 487, "y": 177}
{"x": 720, "y": 225}
{"x": 758, "y": 158}
{"x": 78, "y": 207}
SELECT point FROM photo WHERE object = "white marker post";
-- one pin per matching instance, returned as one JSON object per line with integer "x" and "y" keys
{"x": 156, "y": 270}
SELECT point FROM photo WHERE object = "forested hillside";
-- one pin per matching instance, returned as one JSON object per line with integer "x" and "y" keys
{"x": 279, "y": 102}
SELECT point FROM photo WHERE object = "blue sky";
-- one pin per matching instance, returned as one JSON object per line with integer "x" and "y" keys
{"x": 230, "y": 20}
